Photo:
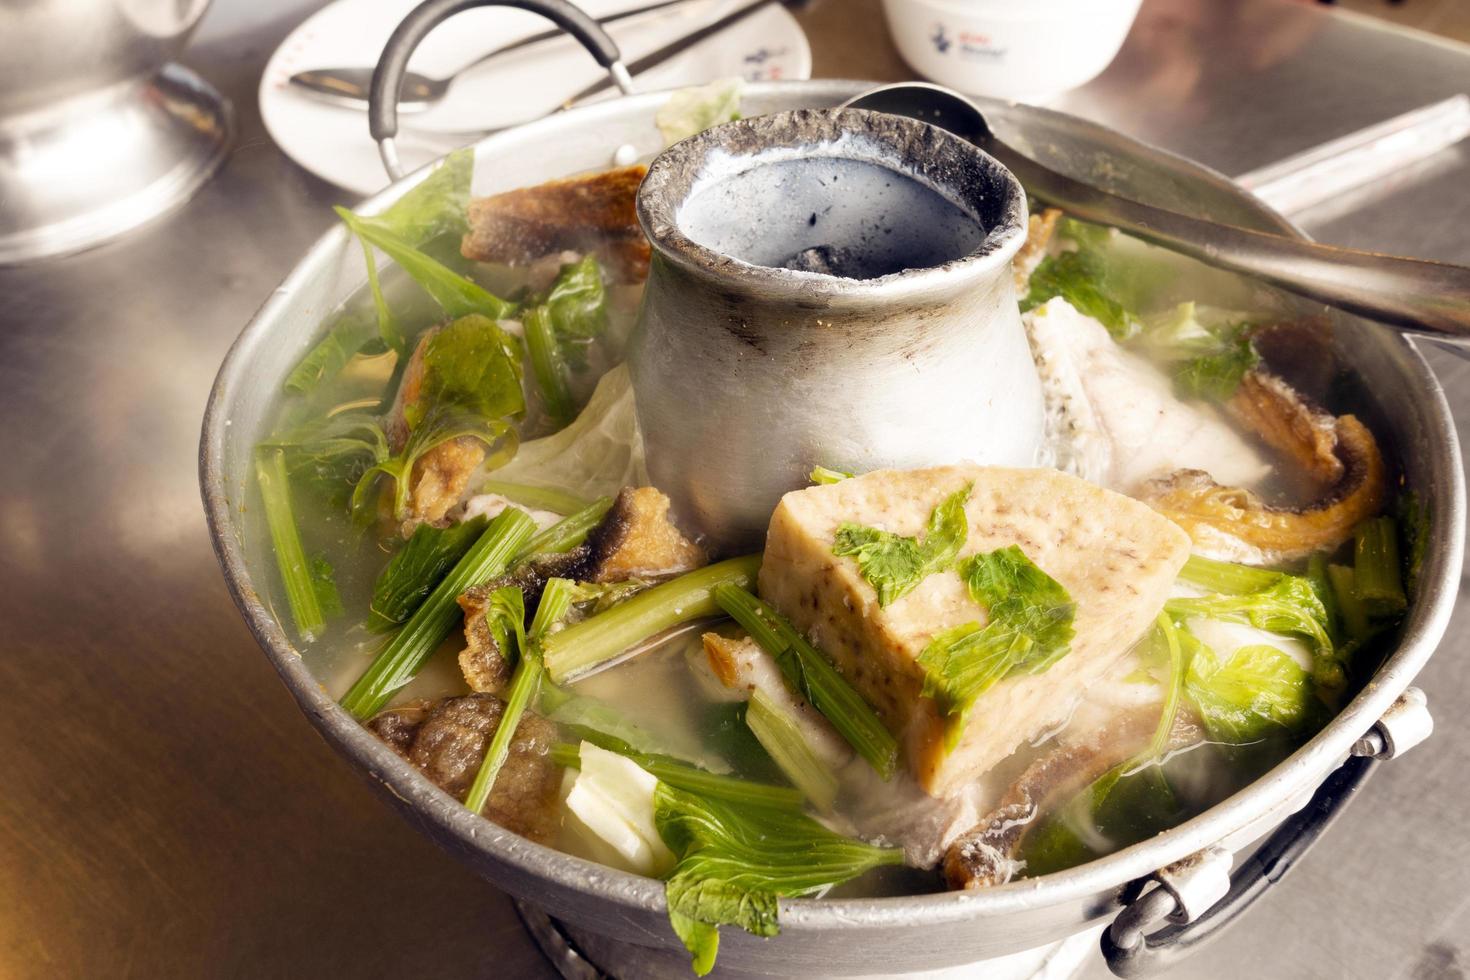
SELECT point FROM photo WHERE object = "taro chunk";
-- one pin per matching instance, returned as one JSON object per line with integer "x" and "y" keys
{"x": 1115, "y": 557}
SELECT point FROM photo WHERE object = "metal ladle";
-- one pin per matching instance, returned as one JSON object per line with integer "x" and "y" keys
{"x": 1412, "y": 295}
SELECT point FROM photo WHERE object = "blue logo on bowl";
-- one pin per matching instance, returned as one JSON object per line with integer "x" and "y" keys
{"x": 940, "y": 39}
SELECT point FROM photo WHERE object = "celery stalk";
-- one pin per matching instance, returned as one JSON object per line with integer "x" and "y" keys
{"x": 275, "y": 491}
{"x": 1349, "y": 603}
{"x": 602, "y": 637}
{"x": 783, "y": 739}
{"x": 547, "y": 364}
{"x": 408, "y": 651}
{"x": 556, "y": 599}
{"x": 1226, "y": 577}
{"x": 1376, "y": 570}
{"x": 810, "y": 674}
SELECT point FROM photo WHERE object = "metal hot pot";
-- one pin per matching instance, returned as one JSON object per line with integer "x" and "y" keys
{"x": 620, "y": 919}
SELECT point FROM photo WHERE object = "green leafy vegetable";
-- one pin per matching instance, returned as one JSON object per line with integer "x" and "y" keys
{"x": 1289, "y": 607}
{"x": 810, "y": 674}
{"x": 695, "y": 109}
{"x": 600, "y": 638}
{"x": 437, "y": 206}
{"x": 1257, "y": 691}
{"x": 296, "y": 573}
{"x": 405, "y": 655}
{"x": 1079, "y": 278}
{"x": 734, "y": 862}
{"x": 333, "y": 453}
{"x": 1207, "y": 353}
{"x": 894, "y": 564}
{"x": 1215, "y": 374}
{"x": 783, "y": 738}
{"x": 577, "y": 303}
{"x": 821, "y": 475}
{"x": 1029, "y": 628}
{"x": 455, "y": 294}
{"x": 413, "y": 572}
{"x": 558, "y": 330}
{"x": 470, "y": 365}
{"x": 353, "y": 333}
{"x": 598, "y": 454}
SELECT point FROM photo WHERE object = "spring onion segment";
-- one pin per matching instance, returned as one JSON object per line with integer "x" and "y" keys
{"x": 735, "y": 862}
{"x": 301, "y": 592}
{"x": 783, "y": 739}
{"x": 812, "y": 675}
{"x": 568, "y": 532}
{"x": 413, "y": 645}
{"x": 602, "y": 637}
{"x": 556, "y": 599}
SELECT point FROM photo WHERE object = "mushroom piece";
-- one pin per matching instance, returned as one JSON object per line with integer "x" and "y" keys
{"x": 446, "y": 741}
{"x": 1337, "y": 454}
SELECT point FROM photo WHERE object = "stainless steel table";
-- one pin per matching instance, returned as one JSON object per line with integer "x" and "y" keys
{"x": 164, "y": 811}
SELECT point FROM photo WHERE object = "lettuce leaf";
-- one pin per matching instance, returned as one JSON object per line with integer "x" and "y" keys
{"x": 1257, "y": 691}
{"x": 597, "y": 455}
{"x": 693, "y": 110}
{"x": 894, "y": 564}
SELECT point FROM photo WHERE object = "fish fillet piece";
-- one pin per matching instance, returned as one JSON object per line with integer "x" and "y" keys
{"x": 1112, "y": 417}
{"x": 590, "y": 213}
{"x": 1116, "y": 557}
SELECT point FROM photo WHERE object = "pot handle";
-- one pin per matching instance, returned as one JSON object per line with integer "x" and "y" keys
{"x": 387, "y": 83}
{"x": 1195, "y": 894}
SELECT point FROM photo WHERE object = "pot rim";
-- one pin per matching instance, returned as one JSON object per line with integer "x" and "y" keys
{"x": 1275, "y": 793}
{"x": 675, "y": 176}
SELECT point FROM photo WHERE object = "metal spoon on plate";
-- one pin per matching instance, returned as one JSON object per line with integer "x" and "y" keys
{"x": 1414, "y": 295}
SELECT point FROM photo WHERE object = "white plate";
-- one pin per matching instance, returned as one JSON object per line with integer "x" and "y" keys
{"x": 333, "y": 142}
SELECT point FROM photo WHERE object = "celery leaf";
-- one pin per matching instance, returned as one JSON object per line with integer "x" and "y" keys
{"x": 894, "y": 564}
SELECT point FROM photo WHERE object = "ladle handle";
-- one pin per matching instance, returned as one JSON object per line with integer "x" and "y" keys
{"x": 387, "y": 83}
{"x": 1130, "y": 953}
{"x": 1413, "y": 294}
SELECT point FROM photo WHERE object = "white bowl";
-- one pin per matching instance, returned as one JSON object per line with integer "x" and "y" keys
{"x": 1024, "y": 50}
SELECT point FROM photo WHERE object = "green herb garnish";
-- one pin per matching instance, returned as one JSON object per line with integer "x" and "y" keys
{"x": 1079, "y": 278}
{"x": 1029, "y": 628}
{"x": 894, "y": 564}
